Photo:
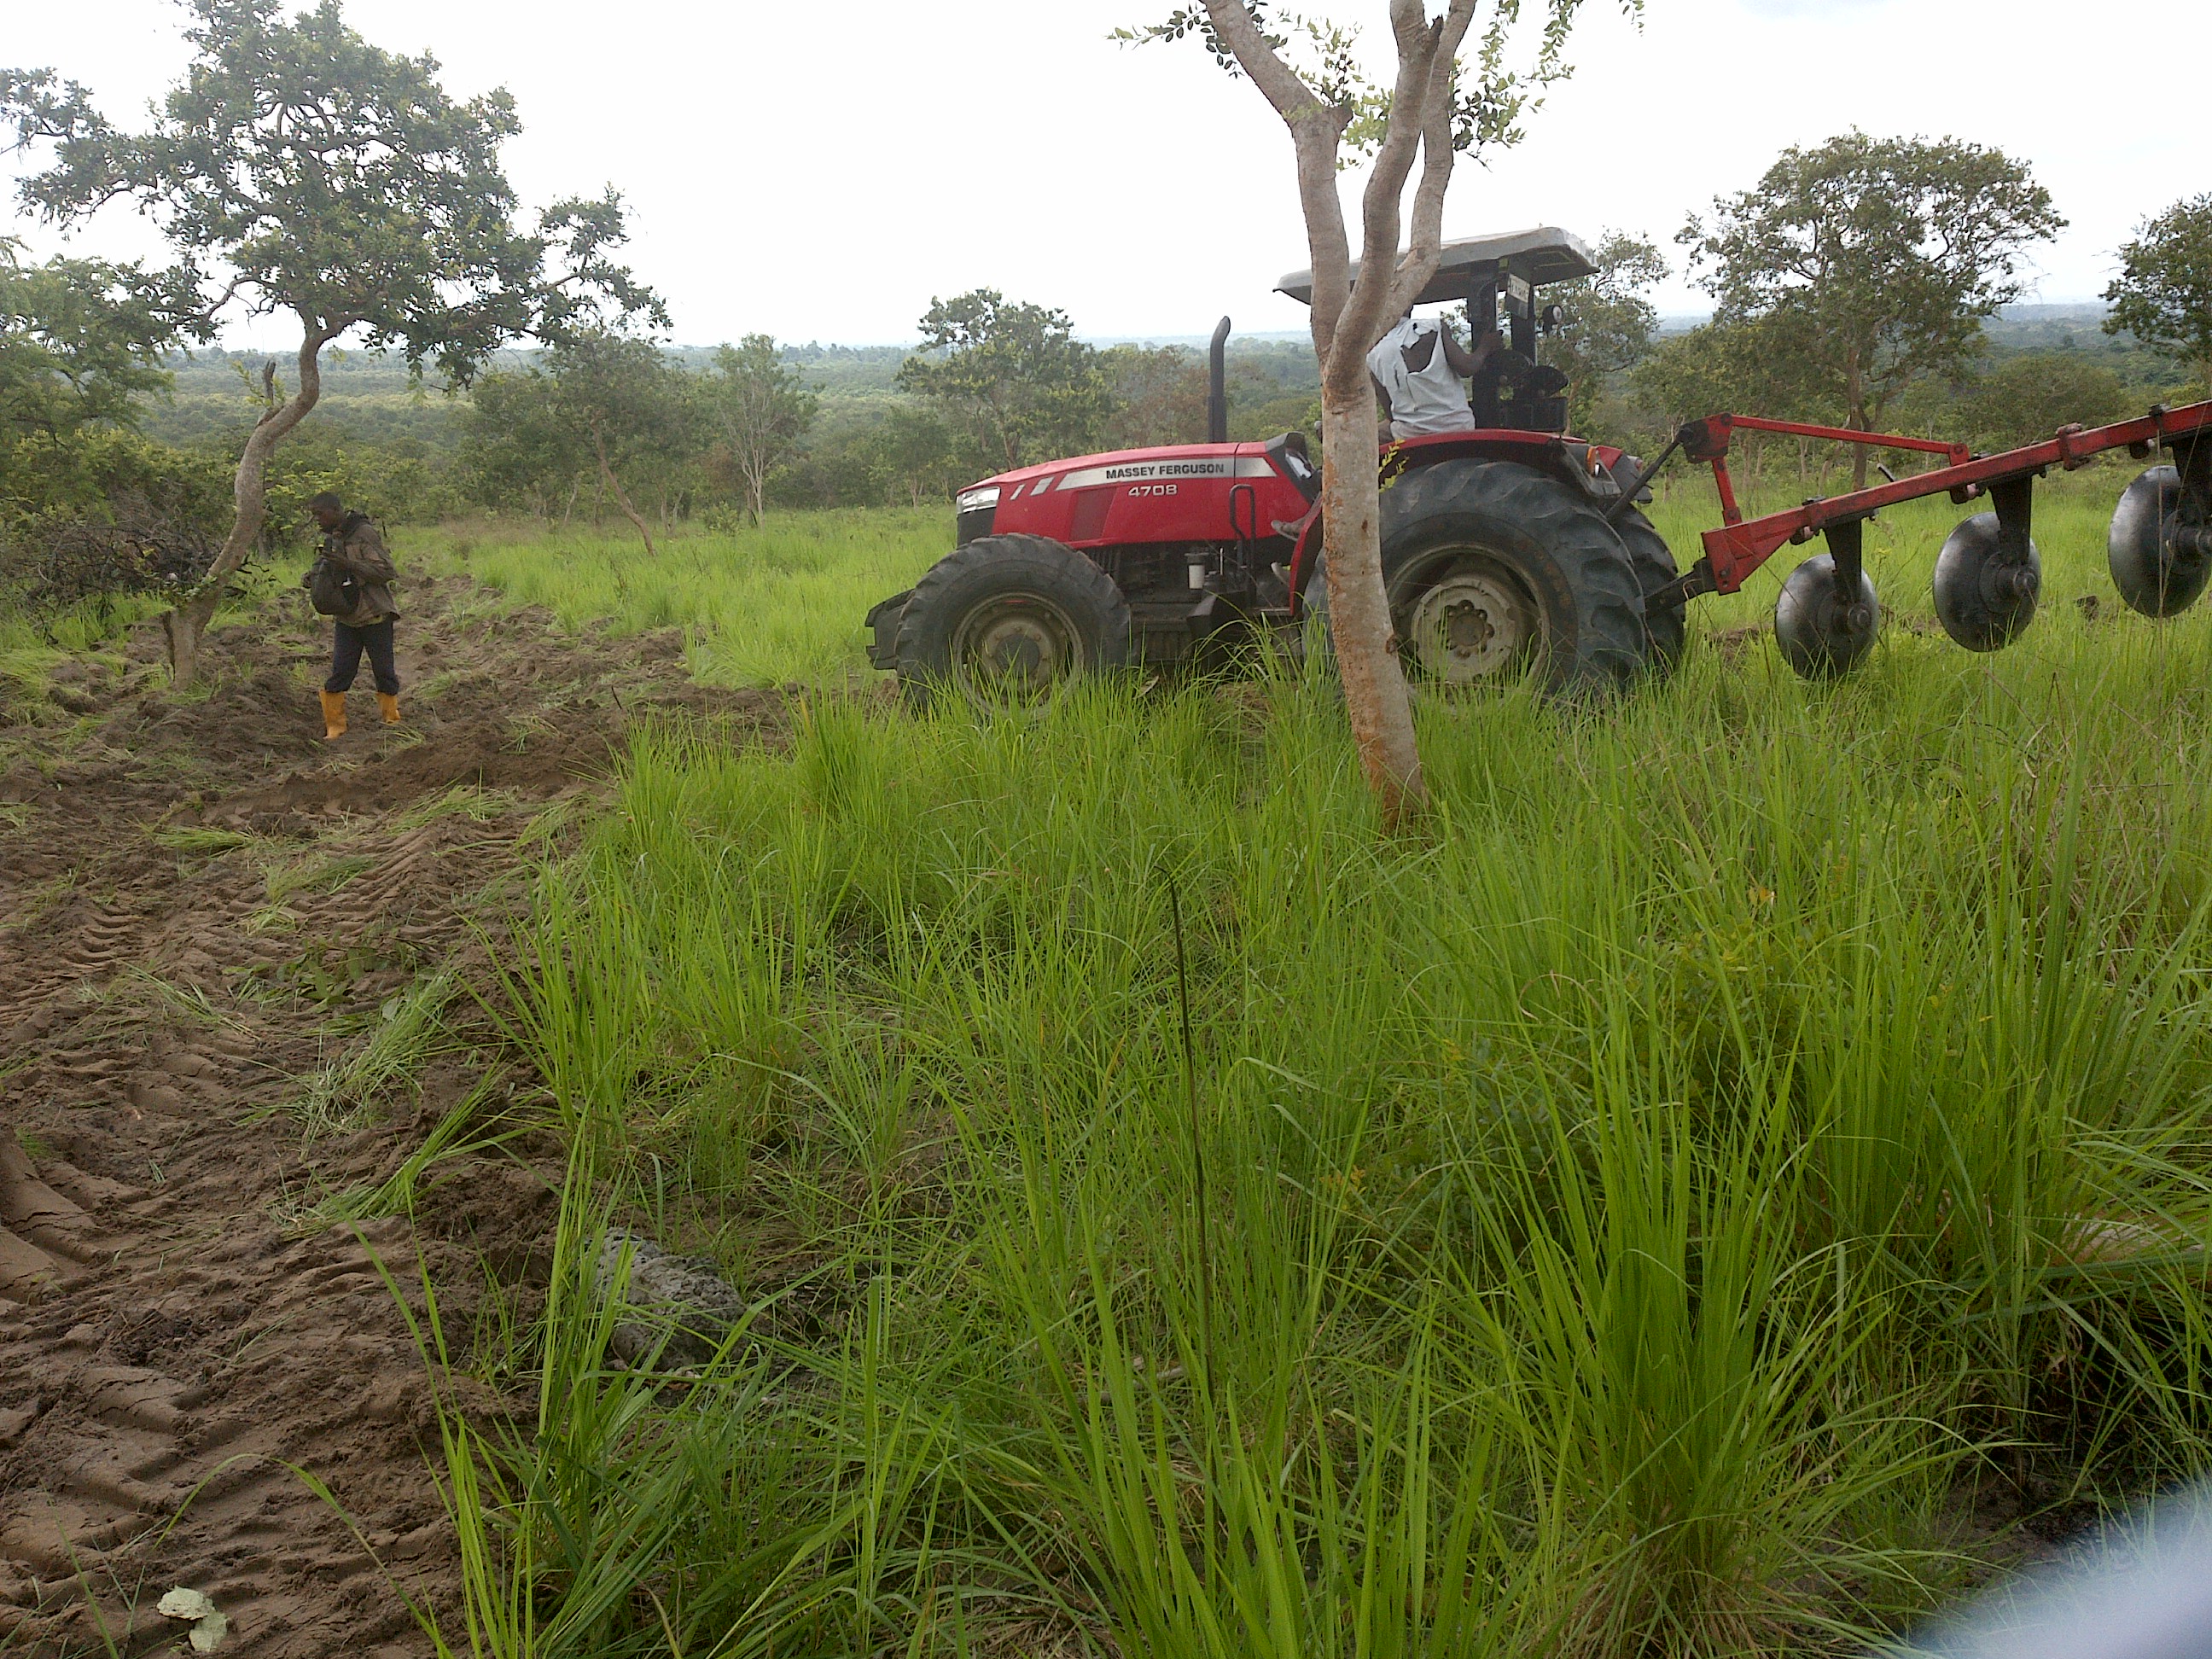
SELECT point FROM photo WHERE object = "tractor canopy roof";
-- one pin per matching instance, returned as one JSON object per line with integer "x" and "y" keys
{"x": 1544, "y": 254}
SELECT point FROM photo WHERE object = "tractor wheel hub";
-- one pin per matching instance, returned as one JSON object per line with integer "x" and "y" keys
{"x": 1015, "y": 645}
{"x": 1472, "y": 624}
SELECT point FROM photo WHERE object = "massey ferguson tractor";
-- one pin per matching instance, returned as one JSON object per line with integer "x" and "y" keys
{"x": 1511, "y": 549}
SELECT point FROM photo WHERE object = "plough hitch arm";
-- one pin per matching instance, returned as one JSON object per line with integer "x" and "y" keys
{"x": 1740, "y": 545}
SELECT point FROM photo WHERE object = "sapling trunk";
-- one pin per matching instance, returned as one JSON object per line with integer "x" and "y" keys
{"x": 614, "y": 485}
{"x": 186, "y": 625}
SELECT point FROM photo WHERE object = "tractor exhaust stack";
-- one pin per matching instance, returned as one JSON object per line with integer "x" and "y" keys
{"x": 1217, "y": 385}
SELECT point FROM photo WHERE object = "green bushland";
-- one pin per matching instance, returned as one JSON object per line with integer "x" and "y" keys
{"x": 1637, "y": 1214}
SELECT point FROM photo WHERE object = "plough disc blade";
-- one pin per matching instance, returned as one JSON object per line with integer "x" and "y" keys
{"x": 1824, "y": 634}
{"x": 2155, "y": 575}
{"x": 1984, "y": 595}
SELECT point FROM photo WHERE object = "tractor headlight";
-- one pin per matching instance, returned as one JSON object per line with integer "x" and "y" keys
{"x": 980, "y": 499}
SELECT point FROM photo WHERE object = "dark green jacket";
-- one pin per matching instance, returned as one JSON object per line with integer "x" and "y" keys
{"x": 358, "y": 545}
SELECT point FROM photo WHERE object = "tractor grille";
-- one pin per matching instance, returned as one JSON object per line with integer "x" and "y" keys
{"x": 972, "y": 524}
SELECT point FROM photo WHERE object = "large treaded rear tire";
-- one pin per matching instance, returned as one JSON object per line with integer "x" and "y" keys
{"x": 1504, "y": 521}
{"x": 1665, "y": 626}
{"x": 1030, "y": 594}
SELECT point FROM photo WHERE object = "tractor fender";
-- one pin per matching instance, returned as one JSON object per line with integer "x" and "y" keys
{"x": 1587, "y": 467}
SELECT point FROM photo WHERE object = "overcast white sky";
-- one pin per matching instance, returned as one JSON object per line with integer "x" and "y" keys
{"x": 820, "y": 172}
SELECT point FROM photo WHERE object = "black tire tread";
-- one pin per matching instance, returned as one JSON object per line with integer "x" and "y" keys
{"x": 1607, "y": 644}
{"x": 918, "y": 675}
{"x": 1666, "y": 627}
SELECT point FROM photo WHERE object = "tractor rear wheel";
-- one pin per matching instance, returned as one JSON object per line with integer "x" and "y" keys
{"x": 1492, "y": 568}
{"x": 1008, "y": 619}
{"x": 1664, "y": 625}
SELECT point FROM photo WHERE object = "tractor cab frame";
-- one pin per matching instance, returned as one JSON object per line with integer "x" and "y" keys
{"x": 1499, "y": 277}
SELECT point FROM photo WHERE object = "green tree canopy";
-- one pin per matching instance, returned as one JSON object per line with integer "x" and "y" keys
{"x": 298, "y": 169}
{"x": 1872, "y": 261}
{"x": 626, "y": 406}
{"x": 80, "y": 340}
{"x": 762, "y": 410}
{"x": 915, "y": 450}
{"x": 1009, "y": 377}
{"x": 2163, "y": 294}
{"x": 2024, "y": 399}
{"x": 516, "y": 447}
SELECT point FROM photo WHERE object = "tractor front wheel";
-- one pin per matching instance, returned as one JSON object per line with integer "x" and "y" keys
{"x": 1493, "y": 568}
{"x": 1008, "y": 619}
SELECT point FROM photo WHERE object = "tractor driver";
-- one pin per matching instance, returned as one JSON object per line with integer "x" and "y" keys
{"x": 1418, "y": 369}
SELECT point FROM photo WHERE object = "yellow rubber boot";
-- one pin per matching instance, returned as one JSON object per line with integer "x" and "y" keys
{"x": 389, "y": 702}
{"x": 333, "y": 715}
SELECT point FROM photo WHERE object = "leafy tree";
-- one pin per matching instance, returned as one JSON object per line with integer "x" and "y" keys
{"x": 2025, "y": 399}
{"x": 915, "y": 453}
{"x": 1721, "y": 366}
{"x": 1873, "y": 261}
{"x": 516, "y": 446}
{"x": 1009, "y": 377}
{"x": 2163, "y": 294}
{"x": 763, "y": 410}
{"x": 296, "y": 168}
{"x": 81, "y": 341}
{"x": 1609, "y": 323}
{"x": 626, "y": 406}
{"x": 1429, "y": 112}
{"x": 1158, "y": 395}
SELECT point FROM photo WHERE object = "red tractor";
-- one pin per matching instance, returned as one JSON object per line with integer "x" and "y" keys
{"x": 1509, "y": 548}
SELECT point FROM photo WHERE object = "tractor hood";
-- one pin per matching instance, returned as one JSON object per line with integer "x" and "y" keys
{"x": 1171, "y": 493}
{"x": 1164, "y": 463}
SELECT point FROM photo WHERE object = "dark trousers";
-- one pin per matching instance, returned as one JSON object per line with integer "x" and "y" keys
{"x": 346, "y": 646}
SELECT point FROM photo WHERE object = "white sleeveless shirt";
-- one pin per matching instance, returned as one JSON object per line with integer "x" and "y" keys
{"x": 1431, "y": 399}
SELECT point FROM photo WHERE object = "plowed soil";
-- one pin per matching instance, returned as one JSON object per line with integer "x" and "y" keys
{"x": 208, "y": 918}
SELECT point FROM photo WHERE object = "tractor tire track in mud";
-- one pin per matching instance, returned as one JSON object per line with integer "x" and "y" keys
{"x": 178, "y": 1334}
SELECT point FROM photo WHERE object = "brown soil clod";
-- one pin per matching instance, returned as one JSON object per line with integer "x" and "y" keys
{"x": 206, "y": 914}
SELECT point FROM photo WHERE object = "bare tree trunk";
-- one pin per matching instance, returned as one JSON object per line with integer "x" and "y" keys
{"x": 1360, "y": 631}
{"x": 1858, "y": 419}
{"x": 621, "y": 495}
{"x": 1347, "y": 322}
{"x": 568, "y": 512}
{"x": 186, "y": 625}
{"x": 757, "y": 492}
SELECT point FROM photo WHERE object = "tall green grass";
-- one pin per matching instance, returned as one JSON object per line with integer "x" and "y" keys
{"x": 1625, "y": 1219}
{"x": 1638, "y": 1215}
{"x": 762, "y": 606}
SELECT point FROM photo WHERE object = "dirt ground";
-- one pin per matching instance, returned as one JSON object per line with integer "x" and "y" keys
{"x": 217, "y": 935}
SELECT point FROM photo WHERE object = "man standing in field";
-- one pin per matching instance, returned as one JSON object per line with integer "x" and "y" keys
{"x": 351, "y": 584}
{"x": 1419, "y": 368}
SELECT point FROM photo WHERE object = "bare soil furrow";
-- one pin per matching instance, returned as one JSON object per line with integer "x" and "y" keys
{"x": 211, "y": 917}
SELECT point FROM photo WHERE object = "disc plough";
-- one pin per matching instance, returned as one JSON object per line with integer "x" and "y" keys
{"x": 1989, "y": 575}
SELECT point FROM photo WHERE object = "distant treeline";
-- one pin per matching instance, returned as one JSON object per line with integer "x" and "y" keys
{"x": 867, "y": 426}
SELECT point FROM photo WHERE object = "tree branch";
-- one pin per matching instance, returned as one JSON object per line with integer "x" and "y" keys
{"x": 1316, "y": 129}
{"x": 1422, "y": 66}
{"x": 1438, "y": 154}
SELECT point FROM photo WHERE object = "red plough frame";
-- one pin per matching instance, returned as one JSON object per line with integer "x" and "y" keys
{"x": 1741, "y": 545}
